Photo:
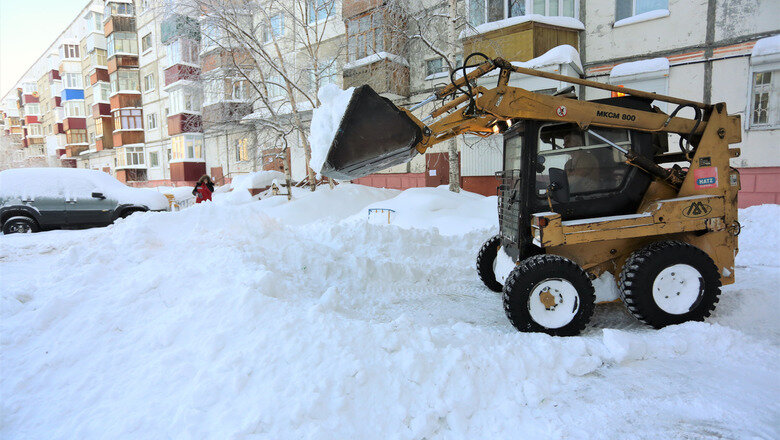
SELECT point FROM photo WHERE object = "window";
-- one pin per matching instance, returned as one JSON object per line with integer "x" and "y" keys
{"x": 319, "y": 9}
{"x": 239, "y": 90}
{"x": 434, "y": 66}
{"x": 154, "y": 159}
{"x": 74, "y": 109}
{"x": 124, "y": 80}
{"x": 69, "y": 51}
{"x": 589, "y": 164}
{"x": 329, "y": 74}
{"x": 184, "y": 100}
{"x": 186, "y": 147}
{"x": 765, "y": 99}
{"x": 628, "y": 8}
{"x": 28, "y": 88}
{"x": 72, "y": 81}
{"x": 99, "y": 127}
{"x": 32, "y": 109}
{"x": 101, "y": 92}
{"x": 275, "y": 88}
{"x": 146, "y": 42}
{"x": 95, "y": 22}
{"x": 365, "y": 35}
{"x": 127, "y": 119}
{"x": 484, "y": 11}
{"x": 143, "y": 6}
{"x": 274, "y": 28}
{"x": 118, "y": 9}
{"x": 242, "y": 150}
{"x": 98, "y": 57}
{"x": 182, "y": 51}
{"x": 34, "y": 130}
{"x": 149, "y": 82}
{"x": 151, "y": 120}
{"x": 76, "y": 136}
{"x": 130, "y": 156}
{"x": 122, "y": 43}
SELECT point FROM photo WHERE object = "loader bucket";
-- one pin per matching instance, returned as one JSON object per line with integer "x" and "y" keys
{"x": 373, "y": 135}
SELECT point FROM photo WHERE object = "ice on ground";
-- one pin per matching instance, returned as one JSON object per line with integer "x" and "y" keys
{"x": 325, "y": 122}
{"x": 76, "y": 183}
{"x": 637, "y": 67}
{"x": 263, "y": 320}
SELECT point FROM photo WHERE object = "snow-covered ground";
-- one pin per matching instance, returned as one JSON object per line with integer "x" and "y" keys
{"x": 277, "y": 320}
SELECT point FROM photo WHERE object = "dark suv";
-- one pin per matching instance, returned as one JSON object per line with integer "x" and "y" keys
{"x": 39, "y": 199}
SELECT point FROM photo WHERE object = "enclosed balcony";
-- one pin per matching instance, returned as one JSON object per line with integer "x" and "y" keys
{"x": 521, "y": 38}
{"x": 179, "y": 26}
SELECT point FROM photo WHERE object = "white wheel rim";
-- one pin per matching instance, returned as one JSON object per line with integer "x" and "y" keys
{"x": 677, "y": 289}
{"x": 553, "y": 303}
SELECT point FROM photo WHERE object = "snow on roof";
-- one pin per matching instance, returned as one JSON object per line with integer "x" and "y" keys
{"x": 377, "y": 57}
{"x": 567, "y": 22}
{"x": 645, "y": 16}
{"x": 637, "y": 67}
{"x": 325, "y": 121}
{"x": 766, "y": 46}
{"x": 563, "y": 54}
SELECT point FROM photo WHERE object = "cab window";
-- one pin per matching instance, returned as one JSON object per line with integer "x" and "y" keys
{"x": 589, "y": 164}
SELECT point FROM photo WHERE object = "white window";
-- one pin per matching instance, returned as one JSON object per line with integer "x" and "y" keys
{"x": 239, "y": 90}
{"x": 124, "y": 80}
{"x": 629, "y": 8}
{"x": 74, "y": 109}
{"x": 435, "y": 65}
{"x": 318, "y": 10}
{"x": 765, "y": 99}
{"x": 151, "y": 121}
{"x": 484, "y": 11}
{"x": 29, "y": 88}
{"x": 242, "y": 150}
{"x": 72, "y": 81}
{"x": 34, "y": 130}
{"x": 113, "y": 8}
{"x": 154, "y": 159}
{"x": 122, "y": 43}
{"x": 146, "y": 42}
{"x": 32, "y": 109}
{"x": 101, "y": 92}
{"x": 182, "y": 51}
{"x": 133, "y": 156}
{"x": 275, "y": 87}
{"x": 149, "y": 82}
{"x": 274, "y": 28}
{"x": 184, "y": 100}
{"x": 69, "y": 51}
{"x": 186, "y": 146}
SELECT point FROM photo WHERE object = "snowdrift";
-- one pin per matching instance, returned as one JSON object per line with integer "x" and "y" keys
{"x": 264, "y": 320}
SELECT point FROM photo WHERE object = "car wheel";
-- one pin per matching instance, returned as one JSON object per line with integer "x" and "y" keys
{"x": 128, "y": 212}
{"x": 20, "y": 225}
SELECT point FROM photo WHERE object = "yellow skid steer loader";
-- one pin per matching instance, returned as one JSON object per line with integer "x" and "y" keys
{"x": 587, "y": 187}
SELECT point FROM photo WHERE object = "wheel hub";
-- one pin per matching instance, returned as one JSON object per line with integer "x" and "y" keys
{"x": 678, "y": 288}
{"x": 553, "y": 303}
{"x": 548, "y": 299}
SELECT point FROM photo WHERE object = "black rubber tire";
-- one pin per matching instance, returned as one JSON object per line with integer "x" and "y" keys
{"x": 13, "y": 221}
{"x": 642, "y": 268}
{"x": 533, "y": 270}
{"x": 128, "y": 212}
{"x": 485, "y": 259}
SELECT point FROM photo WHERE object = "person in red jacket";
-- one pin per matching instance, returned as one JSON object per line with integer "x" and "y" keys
{"x": 203, "y": 189}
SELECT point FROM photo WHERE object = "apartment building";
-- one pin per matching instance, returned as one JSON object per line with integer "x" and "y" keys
{"x": 165, "y": 94}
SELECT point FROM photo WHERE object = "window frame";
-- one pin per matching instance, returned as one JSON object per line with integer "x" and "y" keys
{"x": 147, "y": 43}
{"x": 151, "y": 121}
{"x": 270, "y": 31}
{"x": 128, "y": 119}
{"x": 634, "y": 8}
{"x": 315, "y": 9}
{"x": 147, "y": 80}
{"x": 528, "y": 9}
{"x": 773, "y": 100}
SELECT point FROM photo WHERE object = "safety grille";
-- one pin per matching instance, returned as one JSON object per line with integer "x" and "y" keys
{"x": 509, "y": 196}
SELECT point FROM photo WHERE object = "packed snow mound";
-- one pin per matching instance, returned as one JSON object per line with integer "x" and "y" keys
{"x": 637, "y": 67}
{"x": 336, "y": 328}
{"x": 74, "y": 182}
{"x": 759, "y": 240}
{"x": 438, "y": 208}
{"x": 563, "y": 54}
{"x": 238, "y": 189}
{"x": 766, "y": 46}
{"x": 325, "y": 122}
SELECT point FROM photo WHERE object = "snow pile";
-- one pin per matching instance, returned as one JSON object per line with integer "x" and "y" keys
{"x": 766, "y": 46}
{"x": 563, "y": 54}
{"x": 759, "y": 242}
{"x": 74, "y": 182}
{"x": 645, "y": 16}
{"x": 373, "y": 58}
{"x": 567, "y": 22}
{"x": 325, "y": 122}
{"x": 440, "y": 209}
{"x": 637, "y": 67}
{"x": 263, "y": 320}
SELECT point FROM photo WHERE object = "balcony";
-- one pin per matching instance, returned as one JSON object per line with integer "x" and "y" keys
{"x": 521, "y": 41}
{"x": 58, "y": 101}
{"x": 54, "y": 75}
{"x": 99, "y": 75}
{"x": 222, "y": 112}
{"x": 30, "y": 99}
{"x": 59, "y": 128}
{"x": 385, "y": 73}
{"x": 225, "y": 58}
{"x": 184, "y": 123}
{"x": 71, "y": 94}
{"x": 119, "y": 24}
{"x": 180, "y": 72}
{"x": 74, "y": 123}
{"x": 125, "y": 100}
{"x": 31, "y": 119}
{"x": 120, "y": 61}
{"x": 75, "y": 150}
{"x": 179, "y": 26}
{"x": 101, "y": 109}
{"x": 127, "y": 137}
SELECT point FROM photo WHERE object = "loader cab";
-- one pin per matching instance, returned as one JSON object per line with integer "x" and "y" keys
{"x": 558, "y": 166}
